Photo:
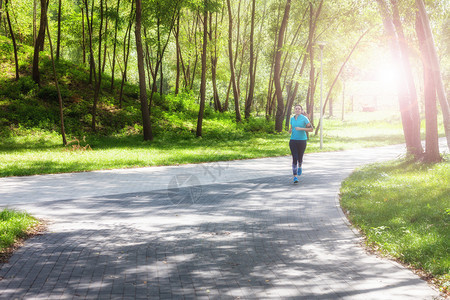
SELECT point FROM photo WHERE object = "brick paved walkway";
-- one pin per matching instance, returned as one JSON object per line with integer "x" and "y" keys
{"x": 237, "y": 230}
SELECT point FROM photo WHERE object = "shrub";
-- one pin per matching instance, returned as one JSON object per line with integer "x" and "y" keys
{"x": 29, "y": 113}
{"x": 49, "y": 93}
{"x": 18, "y": 89}
{"x": 259, "y": 125}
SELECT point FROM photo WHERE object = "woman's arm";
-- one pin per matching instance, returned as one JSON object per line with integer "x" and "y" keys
{"x": 308, "y": 128}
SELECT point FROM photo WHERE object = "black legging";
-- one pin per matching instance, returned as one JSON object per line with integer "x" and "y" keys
{"x": 297, "y": 150}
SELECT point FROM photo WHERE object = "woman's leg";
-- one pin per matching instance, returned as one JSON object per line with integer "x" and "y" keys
{"x": 301, "y": 147}
{"x": 294, "y": 151}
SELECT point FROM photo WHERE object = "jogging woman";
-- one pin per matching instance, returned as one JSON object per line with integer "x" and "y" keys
{"x": 299, "y": 126}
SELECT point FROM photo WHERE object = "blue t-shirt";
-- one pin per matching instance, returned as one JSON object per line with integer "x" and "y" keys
{"x": 299, "y": 135}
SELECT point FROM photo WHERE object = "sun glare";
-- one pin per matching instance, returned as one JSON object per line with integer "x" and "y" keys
{"x": 388, "y": 74}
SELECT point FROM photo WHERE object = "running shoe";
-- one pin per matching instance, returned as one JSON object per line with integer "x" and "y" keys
{"x": 295, "y": 180}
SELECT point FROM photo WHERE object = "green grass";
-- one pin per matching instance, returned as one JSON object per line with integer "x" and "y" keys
{"x": 403, "y": 209}
{"x": 14, "y": 225}
{"x": 28, "y": 152}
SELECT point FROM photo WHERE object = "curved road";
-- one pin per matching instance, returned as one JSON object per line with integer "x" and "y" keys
{"x": 226, "y": 230}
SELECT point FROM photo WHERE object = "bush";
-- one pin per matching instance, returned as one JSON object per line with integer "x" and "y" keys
{"x": 259, "y": 125}
{"x": 49, "y": 93}
{"x": 29, "y": 113}
{"x": 131, "y": 91}
{"x": 184, "y": 101}
{"x": 25, "y": 86}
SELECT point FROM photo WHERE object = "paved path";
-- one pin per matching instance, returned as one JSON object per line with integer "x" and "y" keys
{"x": 227, "y": 230}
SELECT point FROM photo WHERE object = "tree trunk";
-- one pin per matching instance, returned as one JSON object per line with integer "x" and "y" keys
{"x": 412, "y": 146}
{"x": 90, "y": 24}
{"x": 98, "y": 82}
{"x": 92, "y": 65}
{"x": 16, "y": 60}
{"x": 203, "y": 79}
{"x": 177, "y": 46}
{"x": 142, "y": 84}
{"x": 277, "y": 69}
{"x": 409, "y": 81}
{"x": 270, "y": 93}
{"x": 162, "y": 46}
{"x": 249, "y": 100}
{"x": 58, "y": 40}
{"x": 39, "y": 43}
{"x": 105, "y": 38}
{"x": 290, "y": 103}
{"x": 126, "y": 53}
{"x": 214, "y": 59}
{"x": 431, "y": 135}
{"x": 1, "y": 9}
{"x": 312, "y": 71}
{"x": 115, "y": 46}
{"x": 232, "y": 70}
{"x": 61, "y": 114}
{"x": 84, "y": 36}
{"x": 34, "y": 21}
{"x": 437, "y": 77}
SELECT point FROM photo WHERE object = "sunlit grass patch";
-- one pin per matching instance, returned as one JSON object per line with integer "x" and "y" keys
{"x": 403, "y": 209}
{"x": 14, "y": 225}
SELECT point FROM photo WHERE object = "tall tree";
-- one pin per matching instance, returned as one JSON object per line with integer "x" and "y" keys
{"x": 436, "y": 69}
{"x": 277, "y": 69}
{"x": 126, "y": 52}
{"x": 34, "y": 21}
{"x": 176, "y": 33}
{"x": 203, "y": 78}
{"x": 431, "y": 135}
{"x": 39, "y": 42}
{"x": 92, "y": 65}
{"x": 409, "y": 87}
{"x": 313, "y": 77}
{"x": 58, "y": 40}
{"x": 98, "y": 82}
{"x": 164, "y": 15}
{"x": 116, "y": 29}
{"x": 142, "y": 83}
{"x": 232, "y": 69}
{"x": 412, "y": 136}
{"x": 249, "y": 99}
{"x": 83, "y": 34}
{"x": 213, "y": 37}
{"x": 11, "y": 32}
{"x": 61, "y": 114}
{"x": 1, "y": 10}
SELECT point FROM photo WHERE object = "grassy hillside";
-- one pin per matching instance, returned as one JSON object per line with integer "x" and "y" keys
{"x": 24, "y": 105}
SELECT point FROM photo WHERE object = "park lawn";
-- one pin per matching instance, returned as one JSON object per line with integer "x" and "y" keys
{"x": 403, "y": 210}
{"x": 14, "y": 226}
{"x": 30, "y": 152}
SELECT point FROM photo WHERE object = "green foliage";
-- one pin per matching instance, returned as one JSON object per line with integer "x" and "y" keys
{"x": 402, "y": 208}
{"x": 14, "y": 225}
{"x": 49, "y": 93}
{"x": 260, "y": 125}
{"x": 27, "y": 113}
{"x": 19, "y": 89}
